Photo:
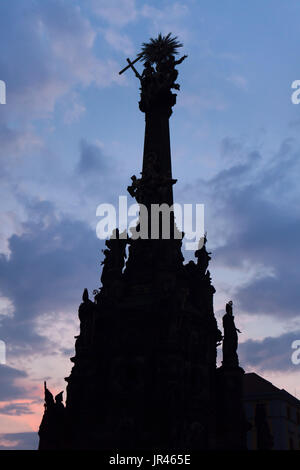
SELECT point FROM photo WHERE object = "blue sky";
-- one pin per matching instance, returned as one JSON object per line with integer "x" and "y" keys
{"x": 72, "y": 135}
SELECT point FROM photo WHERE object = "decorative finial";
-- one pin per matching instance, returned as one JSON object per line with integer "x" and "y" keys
{"x": 48, "y": 396}
{"x": 85, "y": 295}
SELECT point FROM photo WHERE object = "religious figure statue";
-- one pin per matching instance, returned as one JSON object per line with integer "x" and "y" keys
{"x": 135, "y": 189}
{"x": 230, "y": 339}
{"x": 167, "y": 74}
{"x": 147, "y": 81}
{"x": 49, "y": 400}
{"x": 51, "y": 428}
{"x": 86, "y": 317}
{"x": 151, "y": 185}
{"x": 202, "y": 256}
{"x": 115, "y": 255}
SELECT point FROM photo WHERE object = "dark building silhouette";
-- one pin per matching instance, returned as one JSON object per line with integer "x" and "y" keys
{"x": 145, "y": 373}
{"x": 273, "y": 413}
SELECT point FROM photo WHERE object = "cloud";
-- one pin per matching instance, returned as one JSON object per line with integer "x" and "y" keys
{"x": 71, "y": 40}
{"x": 205, "y": 100}
{"x": 270, "y": 354}
{"x": 168, "y": 18}
{"x": 239, "y": 81}
{"x": 253, "y": 212}
{"x": 80, "y": 183}
{"x": 51, "y": 261}
{"x": 9, "y": 390}
{"x": 115, "y": 12}
{"x": 232, "y": 149}
{"x": 51, "y": 55}
{"x": 74, "y": 108}
{"x": 19, "y": 441}
{"x": 119, "y": 13}
{"x": 52, "y": 35}
{"x": 16, "y": 409}
{"x": 120, "y": 42}
{"x": 15, "y": 142}
{"x": 50, "y": 264}
{"x": 91, "y": 158}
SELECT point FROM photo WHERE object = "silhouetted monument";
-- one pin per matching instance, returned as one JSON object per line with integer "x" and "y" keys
{"x": 145, "y": 374}
{"x": 230, "y": 340}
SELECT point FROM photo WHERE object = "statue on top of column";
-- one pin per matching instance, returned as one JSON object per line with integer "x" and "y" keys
{"x": 230, "y": 339}
{"x": 159, "y": 74}
{"x": 202, "y": 256}
{"x": 51, "y": 427}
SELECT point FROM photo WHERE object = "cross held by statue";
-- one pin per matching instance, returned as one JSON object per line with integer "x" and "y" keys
{"x": 130, "y": 65}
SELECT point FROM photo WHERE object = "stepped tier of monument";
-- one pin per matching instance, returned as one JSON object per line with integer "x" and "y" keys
{"x": 145, "y": 372}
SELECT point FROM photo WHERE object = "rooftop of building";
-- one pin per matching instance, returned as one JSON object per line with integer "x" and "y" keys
{"x": 256, "y": 386}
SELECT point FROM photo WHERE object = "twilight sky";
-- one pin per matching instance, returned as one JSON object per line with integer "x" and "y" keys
{"x": 72, "y": 135}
